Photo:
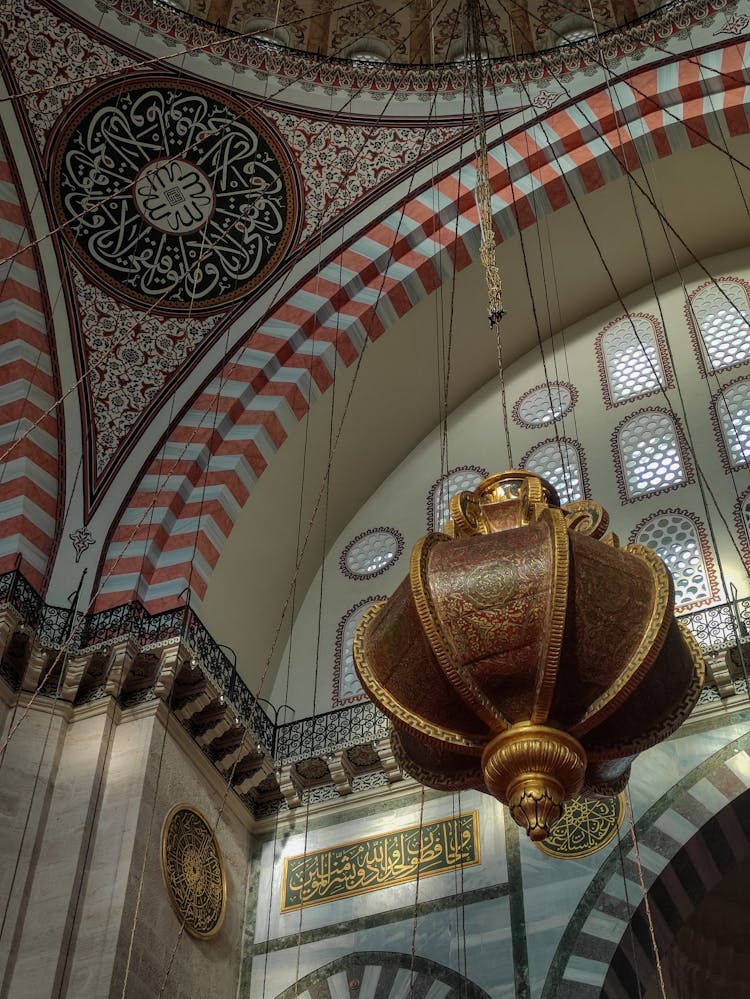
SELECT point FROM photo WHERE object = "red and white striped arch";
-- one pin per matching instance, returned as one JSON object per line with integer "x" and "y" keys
{"x": 29, "y": 459}
{"x": 402, "y": 258}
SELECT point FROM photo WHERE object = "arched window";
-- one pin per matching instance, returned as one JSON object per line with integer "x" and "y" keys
{"x": 562, "y": 463}
{"x": 719, "y": 320}
{"x": 679, "y": 538}
{"x": 439, "y": 496}
{"x": 649, "y": 455}
{"x": 742, "y": 523}
{"x": 346, "y": 686}
{"x": 631, "y": 355}
{"x": 731, "y": 418}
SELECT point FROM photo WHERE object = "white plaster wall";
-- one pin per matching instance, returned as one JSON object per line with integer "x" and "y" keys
{"x": 476, "y": 437}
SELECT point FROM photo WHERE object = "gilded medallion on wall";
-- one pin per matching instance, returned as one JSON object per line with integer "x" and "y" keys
{"x": 194, "y": 871}
{"x": 587, "y": 825}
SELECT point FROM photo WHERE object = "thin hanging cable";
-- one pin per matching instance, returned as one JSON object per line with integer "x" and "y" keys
{"x": 116, "y": 341}
{"x": 415, "y": 914}
{"x": 629, "y": 909}
{"x": 644, "y": 890}
{"x": 483, "y": 195}
{"x": 700, "y": 475}
{"x": 529, "y": 285}
{"x": 685, "y": 419}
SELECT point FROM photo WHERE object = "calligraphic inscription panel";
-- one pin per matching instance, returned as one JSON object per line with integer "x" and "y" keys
{"x": 383, "y": 861}
{"x": 193, "y": 871}
{"x": 587, "y": 825}
{"x": 172, "y": 194}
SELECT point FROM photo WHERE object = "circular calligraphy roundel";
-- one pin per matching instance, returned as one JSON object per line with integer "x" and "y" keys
{"x": 172, "y": 195}
{"x": 194, "y": 871}
{"x": 587, "y": 825}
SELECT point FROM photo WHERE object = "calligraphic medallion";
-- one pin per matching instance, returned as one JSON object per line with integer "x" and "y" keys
{"x": 172, "y": 194}
{"x": 194, "y": 871}
{"x": 587, "y": 825}
{"x": 383, "y": 861}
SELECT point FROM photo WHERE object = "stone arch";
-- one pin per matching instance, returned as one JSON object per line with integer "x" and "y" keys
{"x": 264, "y": 388}
{"x": 385, "y": 973}
{"x": 690, "y": 841}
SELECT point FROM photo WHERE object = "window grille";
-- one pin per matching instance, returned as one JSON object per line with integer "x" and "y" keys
{"x": 648, "y": 447}
{"x": 724, "y": 325}
{"x": 628, "y": 351}
{"x": 732, "y": 407}
{"x": 346, "y": 686}
{"x": 560, "y": 462}
{"x": 675, "y": 537}
{"x": 371, "y": 553}
{"x": 439, "y": 496}
{"x": 545, "y": 404}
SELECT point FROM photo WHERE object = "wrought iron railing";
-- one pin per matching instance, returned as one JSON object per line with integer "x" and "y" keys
{"x": 721, "y": 627}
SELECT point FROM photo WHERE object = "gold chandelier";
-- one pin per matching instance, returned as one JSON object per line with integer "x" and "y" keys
{"x": 527, "y": 654}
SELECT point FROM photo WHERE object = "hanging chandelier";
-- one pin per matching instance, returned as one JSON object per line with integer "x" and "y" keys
{"x": 528, "y": 655}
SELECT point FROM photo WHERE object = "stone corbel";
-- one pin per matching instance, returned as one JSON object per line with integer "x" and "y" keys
{"x": 718, "y": 664}
{"x": 248, "y": 783}
{"x": 339, "y": 775}
{"x": 388, "y": 761}
{"x": 10, "y": 621}
{"x": 288, "y": 788}
{"x": 122, "y": 657}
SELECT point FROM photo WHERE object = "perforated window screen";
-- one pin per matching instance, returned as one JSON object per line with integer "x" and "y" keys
{"x": 724, "y": 325}
{"x": 631, "y": 358}
{"x": 650, "y": 453}
{"x": 371, "y": 553}
{"x": 733, "y": 408}
{"x": 347, "y": 687}
{"x": 438, "y": 501}
{"x": 674, "y": 537}
{"x": 543, "y": 405}
{"x": 559, "y": 463}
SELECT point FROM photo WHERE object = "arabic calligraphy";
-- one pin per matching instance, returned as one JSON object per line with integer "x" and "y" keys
{"x": 172, "y": 195}
{"x": 194, "y": 871}
{"x": 380, "y": 861}
{"x": 587, "y": 825}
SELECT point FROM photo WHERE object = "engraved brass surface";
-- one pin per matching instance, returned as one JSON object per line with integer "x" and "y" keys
{"x": 193, "y": 870}
{"x": 528, "y": 614}
{"x": 587, "y": 825}
{"x": 383, "y": 861}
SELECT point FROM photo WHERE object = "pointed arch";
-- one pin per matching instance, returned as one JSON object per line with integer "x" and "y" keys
{"x": 261, "y": 391}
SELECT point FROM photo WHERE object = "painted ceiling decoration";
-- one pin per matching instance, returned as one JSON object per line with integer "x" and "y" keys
{"x": 268, "y": 384}
{"x": 28, "y": 373}
{"x": 171, "y": 195}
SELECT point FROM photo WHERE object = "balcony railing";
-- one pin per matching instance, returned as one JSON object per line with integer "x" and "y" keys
{"x": 723, "y": 626}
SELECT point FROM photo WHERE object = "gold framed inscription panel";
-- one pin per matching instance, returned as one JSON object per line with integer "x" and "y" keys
{"x": 375, "y": 862}
{"x": 194, "y": 872}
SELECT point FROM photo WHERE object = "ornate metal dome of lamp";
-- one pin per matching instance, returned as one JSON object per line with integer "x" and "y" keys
{"x": 527, "y": 655}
